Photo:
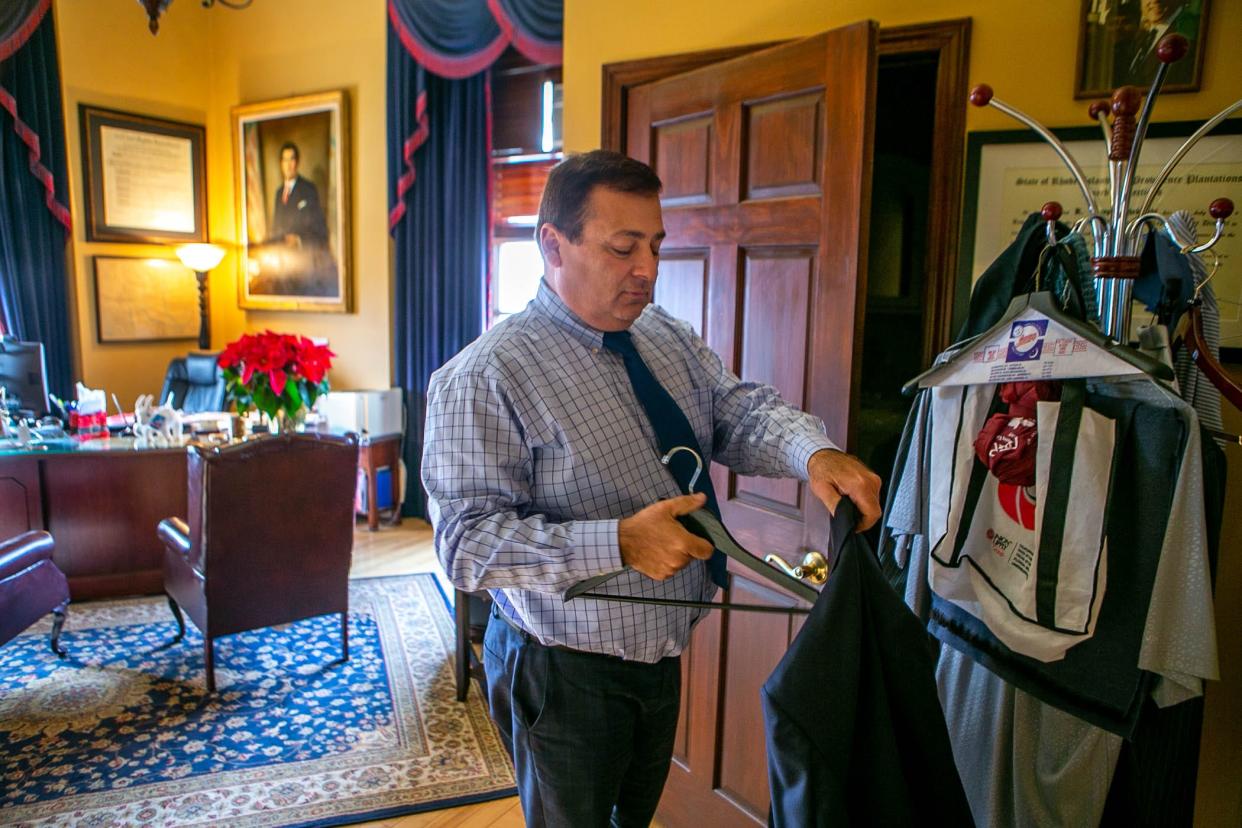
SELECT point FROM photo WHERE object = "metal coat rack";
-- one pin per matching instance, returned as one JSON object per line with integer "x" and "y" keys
{"x": 1115, "y": 236}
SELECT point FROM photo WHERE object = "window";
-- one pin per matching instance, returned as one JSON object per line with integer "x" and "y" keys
{"x": 526, "y": 144}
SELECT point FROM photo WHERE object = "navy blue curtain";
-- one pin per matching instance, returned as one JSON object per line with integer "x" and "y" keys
{"x": 34, "y": 223}
{"x": 439, "y": 143}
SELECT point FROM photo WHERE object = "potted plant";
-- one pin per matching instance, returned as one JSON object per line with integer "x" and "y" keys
{"x": 281, "y": 375}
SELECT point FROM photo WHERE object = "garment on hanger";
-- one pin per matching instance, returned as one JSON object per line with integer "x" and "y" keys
{"x": 1025, "y": 761}
{"x": 855, "y": 733}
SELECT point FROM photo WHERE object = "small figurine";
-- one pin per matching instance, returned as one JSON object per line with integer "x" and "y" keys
{"x": 156, "y": 427}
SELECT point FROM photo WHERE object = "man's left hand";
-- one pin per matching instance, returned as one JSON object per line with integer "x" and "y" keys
{"x": 834, "y": 474}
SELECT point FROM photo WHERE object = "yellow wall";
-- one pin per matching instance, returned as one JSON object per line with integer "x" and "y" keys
{"x": 202, "y": 63}
{"x": 1026, "y": 52}
{"x": 108, "y": 58}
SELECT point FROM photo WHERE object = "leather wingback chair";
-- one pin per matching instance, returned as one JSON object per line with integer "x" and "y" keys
{"x": 31, "y": 586}
{"x": 195, "y": 382}
{"x": 269, "y": 536}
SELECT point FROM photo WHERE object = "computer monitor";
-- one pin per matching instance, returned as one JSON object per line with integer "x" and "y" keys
{"x": 23, "y": 374}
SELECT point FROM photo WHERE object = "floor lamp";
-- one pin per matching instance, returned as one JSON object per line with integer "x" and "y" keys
{"x": 201, "y": 258}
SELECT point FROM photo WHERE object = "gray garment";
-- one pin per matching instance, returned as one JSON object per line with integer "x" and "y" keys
{"x": 1023, "y": 762}
{"x": 1194, "y": 387}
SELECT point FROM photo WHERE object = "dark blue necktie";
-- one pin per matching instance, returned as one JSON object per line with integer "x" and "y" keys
{"x": 672, "y": 429}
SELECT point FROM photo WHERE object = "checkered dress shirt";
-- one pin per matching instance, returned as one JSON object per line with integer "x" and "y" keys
{"x": 535, "y": 446}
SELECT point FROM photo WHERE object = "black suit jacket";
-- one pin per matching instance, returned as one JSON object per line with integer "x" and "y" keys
{"x": 301, "y": 215}
{"x": 855, "y": 731}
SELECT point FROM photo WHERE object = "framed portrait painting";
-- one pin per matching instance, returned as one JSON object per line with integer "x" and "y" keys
{"x": 144, "y": 178}
{"x": 1011, "y": 174}
{"x": 1117, "y": 44}
{"x": 292, "y": 184}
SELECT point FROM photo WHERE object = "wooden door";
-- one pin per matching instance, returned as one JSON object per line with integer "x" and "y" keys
{"x": 766, "y": 164}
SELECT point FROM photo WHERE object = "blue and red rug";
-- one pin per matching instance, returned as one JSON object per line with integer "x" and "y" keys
{"x": 123, "y": 733}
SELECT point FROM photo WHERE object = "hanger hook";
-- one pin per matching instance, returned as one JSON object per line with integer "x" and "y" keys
{"x": 1215, "y": 267}
{"x": 697, "y": 459}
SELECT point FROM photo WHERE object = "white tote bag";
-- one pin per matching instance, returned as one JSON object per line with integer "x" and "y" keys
{"x": 1031, "y": 563}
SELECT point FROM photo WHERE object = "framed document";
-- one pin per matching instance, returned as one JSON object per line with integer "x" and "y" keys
{"x": 292, "y": 185}
{"x": 1011, "y": 174}
{"x": 144, "y": 300}
{"x": 144, "y": 178}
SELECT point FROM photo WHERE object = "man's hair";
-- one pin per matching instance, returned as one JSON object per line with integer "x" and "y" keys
{"x": 289, "y": 145}
{"x": 565, "y": 196}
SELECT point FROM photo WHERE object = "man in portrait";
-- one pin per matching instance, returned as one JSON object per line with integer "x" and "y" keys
{"x": 296, "y": 258}
{"x": 1135, "y": 58}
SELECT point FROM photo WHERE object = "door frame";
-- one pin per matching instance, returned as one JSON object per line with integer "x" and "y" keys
{"x": 949, "y": 40}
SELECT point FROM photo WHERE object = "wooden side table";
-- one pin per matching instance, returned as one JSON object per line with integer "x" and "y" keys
{"x": 375, "y": 452}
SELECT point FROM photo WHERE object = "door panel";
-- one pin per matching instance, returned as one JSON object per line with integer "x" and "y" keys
{"x": 679, "y": 155}
{"x": 794, "y": 120}
{"x": 766, "y": 161}
{"x": 682, "y": 287}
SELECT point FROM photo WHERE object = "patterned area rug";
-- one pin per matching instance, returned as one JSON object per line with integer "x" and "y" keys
{"x": 123, "y": 733}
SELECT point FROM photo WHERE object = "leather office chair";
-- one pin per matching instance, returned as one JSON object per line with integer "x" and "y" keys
{"x": 31, "y": 586}
{"x": 195, "y": 382}
{"x": 269, "y": 536}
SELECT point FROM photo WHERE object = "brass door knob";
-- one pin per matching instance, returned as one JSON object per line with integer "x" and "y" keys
{"x": 814, "y": 567}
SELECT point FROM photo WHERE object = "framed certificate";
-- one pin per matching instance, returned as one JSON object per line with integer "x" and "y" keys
{"x": 144, "y": 178}
{"x": 1010, "y": 175}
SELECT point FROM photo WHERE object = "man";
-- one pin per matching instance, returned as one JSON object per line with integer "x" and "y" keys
{"x": 297, "y": 218}
{"x": 296, "y": 259}
{"x": 542, "y": 470}
{"x": 1138, "y": 61}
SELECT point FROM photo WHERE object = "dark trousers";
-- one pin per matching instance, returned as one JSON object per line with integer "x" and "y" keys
{"x": 591, "y": 736}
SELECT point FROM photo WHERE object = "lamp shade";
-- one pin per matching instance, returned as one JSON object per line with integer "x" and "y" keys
{"x": 200, "y": 257}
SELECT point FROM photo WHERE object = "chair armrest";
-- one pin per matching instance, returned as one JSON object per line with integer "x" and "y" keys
{"x": 175, "y": 534}
{"x": 24, "y": 550}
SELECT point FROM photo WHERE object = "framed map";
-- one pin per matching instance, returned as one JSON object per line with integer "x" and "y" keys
{"x": 144, "y": 300}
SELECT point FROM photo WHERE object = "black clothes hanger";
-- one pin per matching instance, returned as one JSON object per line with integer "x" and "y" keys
{"x": 707, "y": 526}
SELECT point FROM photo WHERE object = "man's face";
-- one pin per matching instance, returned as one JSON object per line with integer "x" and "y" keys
{"x": 609, "y": 275}
{"x": 288, "y": 164}
{"x": 1155, "y": 12}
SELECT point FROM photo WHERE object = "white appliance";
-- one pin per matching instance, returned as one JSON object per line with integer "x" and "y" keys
{"x": 372, "y": 413}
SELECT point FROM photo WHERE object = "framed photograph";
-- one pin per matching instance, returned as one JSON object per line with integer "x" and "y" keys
{"x": 292, "y": 164}
{"x": 144, "y": 300}
{"x": 1117, "y": 44}
{"x": 144, "y": 178}
{"x": 1011, "y": 174}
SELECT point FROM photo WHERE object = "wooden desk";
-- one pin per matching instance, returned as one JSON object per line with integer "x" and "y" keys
{"x": 373, "y": 454}
{"x": 102, "y": 505}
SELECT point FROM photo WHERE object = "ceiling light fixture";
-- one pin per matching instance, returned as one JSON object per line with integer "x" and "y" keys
{"x": 155, "y": 8}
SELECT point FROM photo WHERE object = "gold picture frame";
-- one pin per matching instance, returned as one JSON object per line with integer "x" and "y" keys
{"x": 1117, "y": 45}
{"x": 292, "y": 181}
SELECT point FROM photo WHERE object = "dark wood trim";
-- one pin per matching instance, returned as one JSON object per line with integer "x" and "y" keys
{"x": 950, "y": 41}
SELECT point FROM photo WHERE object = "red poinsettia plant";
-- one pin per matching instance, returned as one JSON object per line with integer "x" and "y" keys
{"x": 276, "y": 373}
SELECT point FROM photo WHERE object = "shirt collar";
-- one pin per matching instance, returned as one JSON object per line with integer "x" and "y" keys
{"x": 554, "y": 307}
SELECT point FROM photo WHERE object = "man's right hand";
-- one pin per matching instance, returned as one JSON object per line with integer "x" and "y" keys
{"x": 654, "y": 543}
